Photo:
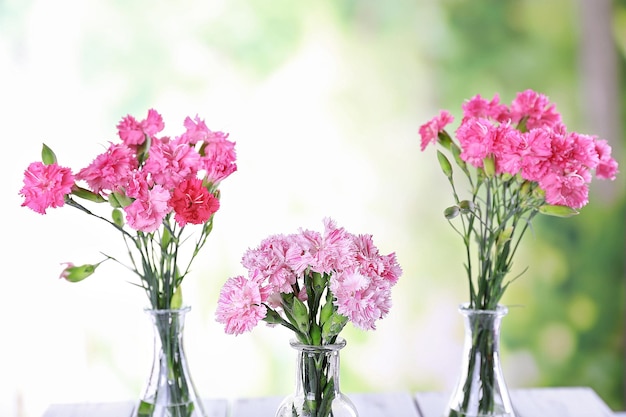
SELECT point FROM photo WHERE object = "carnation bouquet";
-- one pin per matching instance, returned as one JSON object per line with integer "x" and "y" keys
{"x": 313, "y": 284}
{"x": 518, "y": 161}
{"x": 153, "y": 188}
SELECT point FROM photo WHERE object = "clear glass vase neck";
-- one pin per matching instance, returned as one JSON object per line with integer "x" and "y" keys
{"x": 169, "y": 391}
{"x": 317, "y": 389}
{"x": 481, "y": 390}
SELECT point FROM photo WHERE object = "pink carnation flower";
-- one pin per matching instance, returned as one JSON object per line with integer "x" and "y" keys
{"x": 536, "y": 108}
{"x": 240, "y": 305}
{"x": 566, "y": 190}
{"x": 133, "y": 132}
{"x": 480, "y": 107}
{"x": 171, "y": 162}
{"x": 429, "y": 131}
{"x": 607, "y": 166}
{"x": 360, "y": 299}
{"x": 193, "y": 203}
{"x": 110, "y": 170}
{"x": 46, "y": 186}
{"x": 476, "y": 138}
{"x": 271, "y": 260}
{"x": 147, "y": 212}
{"x": 526, "y": 153}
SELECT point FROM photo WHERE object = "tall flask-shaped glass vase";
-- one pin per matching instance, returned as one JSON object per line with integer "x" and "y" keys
{"x": 481, "y": 390}
{"x": 317, "y": 391}
{"x": 169, "y": 391}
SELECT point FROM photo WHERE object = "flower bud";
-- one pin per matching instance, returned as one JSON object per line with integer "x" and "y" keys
{"x": 73, "y": 273}
{"x": 117, "y": 199}
{"x": 118, "y": 217}
{"x": 444, "y": 164}
{"x": 451, "y": 212}
{"x": 466, "y": 206}
{"x": 489, "y": 166}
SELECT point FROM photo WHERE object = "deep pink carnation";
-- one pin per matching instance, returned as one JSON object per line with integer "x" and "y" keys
{"x": 171, "y": 162}
{"x": 526, "y": 153}
{"x": 429, "y": 131}
{"x": 46, "y": 186}
{"x": 480, "y": 107}
{"x": 566, "y": 190}
{"x": 197, "y": 131}
{"x": 110, "y": 170}
{"x": 536, "y": 108}
{"x": 607, "y": 166}
{"x": 476, "y": 138}
{"x": 133, "y": 132}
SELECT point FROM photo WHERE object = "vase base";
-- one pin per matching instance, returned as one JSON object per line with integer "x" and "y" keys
{"x": 147, "y": 409}
{"x": 455, "y": 413}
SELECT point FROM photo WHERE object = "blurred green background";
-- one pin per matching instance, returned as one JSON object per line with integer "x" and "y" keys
{"x": 324, "y": 100}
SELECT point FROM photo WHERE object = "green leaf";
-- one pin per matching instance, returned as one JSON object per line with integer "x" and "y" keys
{"x": 47, "y": 155}
{"x": 301, "y": 315}
{"x": 272, "y": 317}
{"x": 177, "y": 299}
{"x": 445, "y": 165}
{"x": 87, "y": 194}
{"x": 557, "y": 211}
{"x": 334, "y": 325}
{"x": 326, "y": 312}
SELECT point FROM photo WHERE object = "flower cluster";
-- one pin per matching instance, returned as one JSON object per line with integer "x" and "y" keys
{"x": 155, "y": 185}
{"x": 519, "y": 160}
{"x": 529, "y": 139}
{"x": 312, "y": 283}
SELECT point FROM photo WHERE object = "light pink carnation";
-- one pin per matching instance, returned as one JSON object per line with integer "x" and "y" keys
{"x": 240, "y": 305}
{"x": 147, "y": 212}
{"x": 336, "y": 252}
{"x": 270, "y": 259}
{"x": 360, "y": 299}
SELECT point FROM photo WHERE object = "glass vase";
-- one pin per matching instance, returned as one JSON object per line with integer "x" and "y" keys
{"x": 481, "y": 390}
{"x": 317, "y": 391}
{"x": 169, "y": 391}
